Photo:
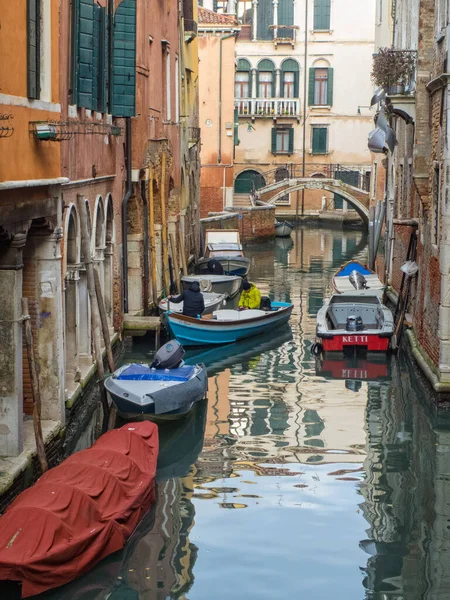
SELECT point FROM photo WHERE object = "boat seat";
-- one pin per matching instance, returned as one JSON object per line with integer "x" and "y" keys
{"x": 236, "y": 315}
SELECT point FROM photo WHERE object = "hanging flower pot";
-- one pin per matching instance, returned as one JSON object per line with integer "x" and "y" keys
{"x": 393, "y": 69}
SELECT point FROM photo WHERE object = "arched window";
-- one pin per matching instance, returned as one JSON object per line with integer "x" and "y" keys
{"x": 289, "y": 78}
{"x": 266, "y": 79}
{"x": 247, "y": 180}
{"x": 243, "y": 80}
{"x": 109, "y": 262}
{"x": 72, "y": 255}
{"x": 320, "y": 84}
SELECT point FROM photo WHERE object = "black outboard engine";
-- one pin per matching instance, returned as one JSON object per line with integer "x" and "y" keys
{"x": 354, "y": 324}
{"x": 266, "y": 304}
{"x": 168, "y": 356}
{"x": 358, "y": 280}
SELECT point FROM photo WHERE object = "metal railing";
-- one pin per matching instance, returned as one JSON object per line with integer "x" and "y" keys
{"x": 268, "y": 107}
{"x": 358, "y": 176}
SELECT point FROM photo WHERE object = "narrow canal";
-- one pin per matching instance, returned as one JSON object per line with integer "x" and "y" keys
{"x": 299, "y": 478}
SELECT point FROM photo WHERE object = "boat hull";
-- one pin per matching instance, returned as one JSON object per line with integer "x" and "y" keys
{"x": 212, "y": 301}
{"x": 220, "y": 284}
{"x": 283, "y": 229}
{"x": 367, "y": 341}
{"x": 196, "y": 332}
{"x": 157, "y": 401}
{"x": 342, "y": 284}
{"x": 232, "y": 265}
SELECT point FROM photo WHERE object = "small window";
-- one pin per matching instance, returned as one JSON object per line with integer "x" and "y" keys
{"x": 320, "y": 87}
{"x": 220, "y": 6}
{"x": 319, "y": 140}
{"x": 282, "y": 140}
{"x": 241, "y": 85}
{"x": 289, "y": 84}
{"x": 265, "y": 84}
{"x": 245, "y": 12}
{"x": 322, "y": 13}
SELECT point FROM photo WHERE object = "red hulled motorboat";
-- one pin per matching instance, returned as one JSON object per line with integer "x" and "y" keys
{"x": 79, "y": 512}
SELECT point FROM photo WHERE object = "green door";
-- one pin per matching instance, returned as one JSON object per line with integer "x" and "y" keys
{"x": 244, "y": 182}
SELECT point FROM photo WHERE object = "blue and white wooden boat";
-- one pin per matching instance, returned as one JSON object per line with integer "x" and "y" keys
{"x": 227, "y": 326}
{"x": 355, "y": 276}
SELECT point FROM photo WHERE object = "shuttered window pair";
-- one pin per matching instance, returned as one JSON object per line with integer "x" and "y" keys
{"x": 104, "y": 57}
{"x": 319, "y": 140}
{"x": 322, "y": 15}
{"x": 266, "y": 19}
{"x": 320, "y": 87}
{"x": 282, "y": 140}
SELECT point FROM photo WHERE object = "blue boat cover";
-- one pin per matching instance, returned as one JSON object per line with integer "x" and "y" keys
{"x": 137, "y": 372}
{"x": 354, "y": 266}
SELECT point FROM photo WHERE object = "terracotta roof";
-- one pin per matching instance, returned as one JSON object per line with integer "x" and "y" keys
{"x": 212, "y": 18}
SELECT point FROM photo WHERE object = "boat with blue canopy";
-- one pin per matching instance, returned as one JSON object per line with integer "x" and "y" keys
{"x": 355, "y": 276}
{"x": 227, "y": 326}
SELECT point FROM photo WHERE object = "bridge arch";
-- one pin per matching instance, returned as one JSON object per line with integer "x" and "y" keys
{"x": 329, "y": 185}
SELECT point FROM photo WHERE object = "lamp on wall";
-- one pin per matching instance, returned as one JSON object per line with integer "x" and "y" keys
{"x": 360, "y": 107}
{"x": 250, "y": 127}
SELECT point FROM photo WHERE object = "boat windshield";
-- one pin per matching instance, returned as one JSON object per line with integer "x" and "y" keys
{"x": 341, "y": 299}
{"x": 225, "y": 246}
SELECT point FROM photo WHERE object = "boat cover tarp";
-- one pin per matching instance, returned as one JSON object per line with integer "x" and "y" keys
{"x": 137, "y": 372}
{"x": 79, "y": 512}
{"x": 353, "y": 266}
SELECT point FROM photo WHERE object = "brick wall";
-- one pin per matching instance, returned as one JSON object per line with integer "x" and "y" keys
{"x": 256, "y": 223}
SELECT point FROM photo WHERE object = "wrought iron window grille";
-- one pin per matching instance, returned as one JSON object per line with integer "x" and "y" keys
{"x": 60, "y": 131}
{"x": 6, "y": 130}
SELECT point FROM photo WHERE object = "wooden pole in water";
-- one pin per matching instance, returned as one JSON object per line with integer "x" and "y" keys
{"x": 182, "y": 252}
{"x": 176, "y": 266}
{"x": 151, "y": 212}
{"x": 86, "y": 246}
{"x": 164, "y": 225}
{"x": 104, "y": 321}
{"x": 34, "y": 387}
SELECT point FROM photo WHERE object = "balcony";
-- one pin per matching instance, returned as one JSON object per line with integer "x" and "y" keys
{"x": 190, "y": 30}
{"x": 268, "y": 107}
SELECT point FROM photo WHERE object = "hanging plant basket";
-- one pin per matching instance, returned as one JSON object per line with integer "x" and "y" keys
{"x": 394, "y": 69}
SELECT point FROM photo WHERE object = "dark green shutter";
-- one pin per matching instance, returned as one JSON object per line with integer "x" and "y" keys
{"x": 286, "y": 17}
{"x": 33, "y": 49}
{"x": 103, "y": 69}
{"x": 312, "y": 80}
{"x": 85, "y": 58}
{"x": 236, "y": 127}
{"x": 96, "y": 84}
{"x": 330, "y": 87}
{"x": 319, "y": 141}
{"x": 291, "y": 140}
{"x": 124, "y": 60}
{"x": 322, "y": 12}
{"x": 274, "y": 140}
{"x": 265, "y": 20}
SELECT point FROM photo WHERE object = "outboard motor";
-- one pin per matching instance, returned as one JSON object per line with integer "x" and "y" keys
{"x": 354, "y": 323}
{"x": 266, "y": 304}
{"x": 358, "y": 280}
{"x": 168, "y": 356}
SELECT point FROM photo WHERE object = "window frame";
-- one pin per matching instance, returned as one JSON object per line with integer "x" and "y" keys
{"x": 321, "y": 5}
{"x": 320, "y": 87}
{"x": 241, "y": 85}
{"x": 266, "y": 85}
{"x": 327, "y": 139}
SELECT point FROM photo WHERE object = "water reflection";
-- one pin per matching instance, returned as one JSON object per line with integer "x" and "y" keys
{"x": 299, "y": 477}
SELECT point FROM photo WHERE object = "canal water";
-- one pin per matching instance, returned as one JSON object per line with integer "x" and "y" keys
{"x": 299, "y": 478}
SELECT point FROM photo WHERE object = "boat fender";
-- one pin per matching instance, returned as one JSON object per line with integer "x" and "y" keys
{"x": 316, "y": 349}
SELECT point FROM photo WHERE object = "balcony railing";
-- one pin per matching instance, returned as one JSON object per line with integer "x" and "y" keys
{"x": 268, "y": 107}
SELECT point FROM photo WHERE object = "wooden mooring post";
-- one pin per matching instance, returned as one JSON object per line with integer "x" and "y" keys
{"x": 40, "y": 447}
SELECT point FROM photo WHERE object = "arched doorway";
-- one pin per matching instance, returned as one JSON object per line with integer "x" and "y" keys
{"x": 246, "y": 181}
{"x": 72, "y": 275}
{"x": 281, "y": 174}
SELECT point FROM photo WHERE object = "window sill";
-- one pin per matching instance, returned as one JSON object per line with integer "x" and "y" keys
{"x": 312, "y": 153}
{"x": 329, "y": 31}
{"x": 320, "y": 107}
{"x": 282, "y": 153}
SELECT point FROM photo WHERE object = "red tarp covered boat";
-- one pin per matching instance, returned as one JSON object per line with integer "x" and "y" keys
{"x": 80, "y": 511}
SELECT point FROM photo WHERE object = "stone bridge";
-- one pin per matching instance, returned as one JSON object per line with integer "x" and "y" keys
{"x": 359, "y": 199}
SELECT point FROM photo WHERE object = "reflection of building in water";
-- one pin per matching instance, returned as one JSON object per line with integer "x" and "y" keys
{"x": 406, "y": 494}
{"x": 161, "y": 562}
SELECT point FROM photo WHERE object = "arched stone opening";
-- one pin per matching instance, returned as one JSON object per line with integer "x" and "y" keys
{"x": 135, "y": 229}
{"x": 244, "y": 182}
{"x": 99, "y": 241}
{"x": 72, "y": 255}
{"x": 84, "y": 308}
{"x": 109, "y": 262}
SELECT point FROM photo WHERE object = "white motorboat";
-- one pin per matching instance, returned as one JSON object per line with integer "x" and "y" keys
{"x": 283, "y": 229}
{"x": 355, "y": 276}
{"x": 219, "y": 284}
{"x": 224, "y": 245}
{"x": 355, "y": 319}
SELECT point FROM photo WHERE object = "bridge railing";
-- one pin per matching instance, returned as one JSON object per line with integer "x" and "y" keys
{"x": 358, "y": 176}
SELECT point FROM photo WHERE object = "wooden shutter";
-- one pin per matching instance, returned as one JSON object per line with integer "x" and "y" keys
{"x": 265, "y": 19}
{"x": 85, "y": 54}
{"x": 330, "y": 87}
{"x": 312, "y": 77}
{"x": 96, "y": 84}
{"x": 124, "y": 60}
{"x": 319, "y": 141}
{"x": 33, "y": 49}
{"x": 286, "y": 17}
{"x": 274, "y": 140}
{"x": 236, "y": 127}
{"x": 322, "y": 12}
{"x": 103, "y": 59}
{"x": 291, "y": 140}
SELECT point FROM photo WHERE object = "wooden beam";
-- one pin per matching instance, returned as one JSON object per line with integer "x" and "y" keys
{"x": 151, "y": 212}
{"x": 176, "y": 266}
{"x": 164, "y": 226}
{"x": 183, "y": 254}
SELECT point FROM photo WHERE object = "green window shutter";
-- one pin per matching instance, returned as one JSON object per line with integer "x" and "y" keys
{"x": 236, "y": 127}
{"x": 322, "y": 13}
{"x": 124, "y": 60}
{"x": 244, "y": 65}
{"x": 96, "y": 84}
{"x": 291, "y": 140}
{"x": 312, "y": 75}
{"x": 319, "y": 140}
{"x": 103, "y": 70}
{"x": 33, "y": 48}
{"x": 274, "y": 140}
{"x": 265, "y": 20}
{"x": 330, "y": 87}
{"x": 285, "y": 17}
{"x": 85, "y": 54}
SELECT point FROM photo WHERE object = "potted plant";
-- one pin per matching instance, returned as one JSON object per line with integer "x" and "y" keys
{"x": 393, "y": 69}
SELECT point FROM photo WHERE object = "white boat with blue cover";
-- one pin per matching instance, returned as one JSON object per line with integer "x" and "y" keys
{"x": 355, "y": 276}
{"x": 283, "y": 229}
{"x": 166, "y": 389}
{"x": 227, "y": 326}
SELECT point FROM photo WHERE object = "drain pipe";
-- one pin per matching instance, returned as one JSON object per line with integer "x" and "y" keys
{"x": 126, "y": 198}
{"x": 222, "y": 38}
{"x": 146, "y": 261}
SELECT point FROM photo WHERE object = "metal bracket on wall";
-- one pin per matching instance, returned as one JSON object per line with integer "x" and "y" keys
{"x": 60, "y": 131}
